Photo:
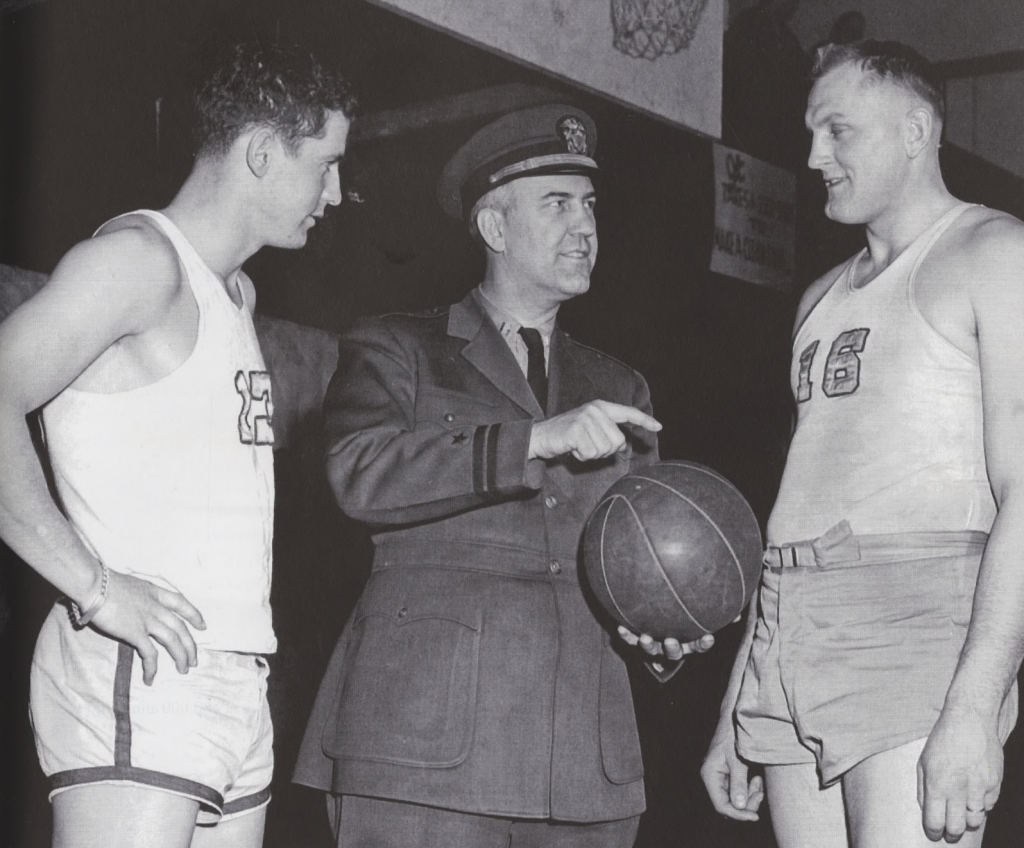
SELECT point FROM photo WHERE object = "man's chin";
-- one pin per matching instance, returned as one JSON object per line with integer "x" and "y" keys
{"x": 842, "y": 213}
{"x": 578, "y": 285}
{"x": 294, "y": 241}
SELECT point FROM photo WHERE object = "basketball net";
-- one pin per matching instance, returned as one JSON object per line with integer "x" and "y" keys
{"x": 647, "y": 29}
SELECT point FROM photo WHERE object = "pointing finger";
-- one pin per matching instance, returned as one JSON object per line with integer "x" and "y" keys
{"x": 622, "y": 414}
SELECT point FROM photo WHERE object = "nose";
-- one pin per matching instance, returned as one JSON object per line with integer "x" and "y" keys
{"x": 819, "y": 152}
{"x": 332, "y": 186}
{"x": 583, "y": 221}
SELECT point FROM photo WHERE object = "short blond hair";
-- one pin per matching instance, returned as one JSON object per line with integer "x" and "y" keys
{"x": 885, "y": 61}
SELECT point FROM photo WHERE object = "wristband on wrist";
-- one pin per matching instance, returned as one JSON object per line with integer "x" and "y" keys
{"x": 80, "y": 618}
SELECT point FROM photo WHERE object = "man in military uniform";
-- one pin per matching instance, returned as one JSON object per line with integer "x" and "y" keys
{"x": 474, "y": 699}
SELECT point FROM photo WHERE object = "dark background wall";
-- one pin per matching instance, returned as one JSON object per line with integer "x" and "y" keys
{"x": 80, "y": 141}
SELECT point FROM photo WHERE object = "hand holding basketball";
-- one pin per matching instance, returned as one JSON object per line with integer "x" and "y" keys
{"x": 673, "y": 551}
{"x": 671, "y": 649}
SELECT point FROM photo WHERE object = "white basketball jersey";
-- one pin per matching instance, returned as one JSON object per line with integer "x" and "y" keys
{"x": 889, "y": 429}
{"x": 173, "y": 481}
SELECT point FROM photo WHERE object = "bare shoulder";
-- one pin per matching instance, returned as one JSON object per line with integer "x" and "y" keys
{"x": 816, "y": 291}
{"x": 985, "y": 250}
{"x": 130, "y": 265}
{"x": 78, "y": 326}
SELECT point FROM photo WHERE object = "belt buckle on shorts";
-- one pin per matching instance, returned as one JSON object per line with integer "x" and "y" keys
{"x": 837, "y": 543}
{"x": 783, "y": 556}
{"x": 793, "y": 556}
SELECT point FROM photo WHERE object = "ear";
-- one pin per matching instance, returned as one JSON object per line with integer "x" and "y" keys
{"x": 260, "y": 150}
{"x": 491, "y": 225}
{"x": 921, "y": 129}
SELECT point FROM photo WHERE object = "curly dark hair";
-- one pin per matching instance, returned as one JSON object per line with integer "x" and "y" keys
{"x": 888, "y": 61}
{"x": 287, "y": 90}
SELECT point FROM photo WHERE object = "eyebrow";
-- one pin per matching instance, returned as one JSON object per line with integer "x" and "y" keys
{"x": 567, "y": 194}
{"x": 827, "y": 119}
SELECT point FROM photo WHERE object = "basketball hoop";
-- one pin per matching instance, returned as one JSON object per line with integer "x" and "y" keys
{"x": 647, "y": 29}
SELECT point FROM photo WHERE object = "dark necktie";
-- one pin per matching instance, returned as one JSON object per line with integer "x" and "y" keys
{"x": 536, "y": 373}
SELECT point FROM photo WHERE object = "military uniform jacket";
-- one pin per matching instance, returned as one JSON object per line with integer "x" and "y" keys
{"x": 473, "y": 674}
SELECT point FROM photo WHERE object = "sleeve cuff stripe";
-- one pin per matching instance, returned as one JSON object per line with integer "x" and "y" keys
{"x": 485, "y": 458}
{"x": 479, "y": 436}
{"x": 492, "y": 456}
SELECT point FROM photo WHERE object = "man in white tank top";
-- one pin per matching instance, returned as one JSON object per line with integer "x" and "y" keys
{"x": 877, "y": 680}
{"x": 158, "y": 411}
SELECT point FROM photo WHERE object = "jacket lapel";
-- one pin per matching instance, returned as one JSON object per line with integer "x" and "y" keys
{"x": 490, "y": 355}
{"x": 570, "y": 386}
{"x": 568, "y": 383}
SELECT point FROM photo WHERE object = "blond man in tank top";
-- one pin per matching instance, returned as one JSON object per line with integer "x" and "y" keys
{"x": 877, "y": 681}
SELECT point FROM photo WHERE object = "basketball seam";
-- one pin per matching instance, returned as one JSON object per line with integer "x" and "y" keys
{"x": 710, "y": 520}
{"x": 654, "y": 556}
{"x": 604, "y": 574}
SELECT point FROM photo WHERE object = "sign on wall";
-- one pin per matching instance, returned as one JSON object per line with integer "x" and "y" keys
{"x": 663, "y": 57}
{"x": 755, "y": 212}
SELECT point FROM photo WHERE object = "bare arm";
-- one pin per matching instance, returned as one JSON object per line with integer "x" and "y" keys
{"x": 960, "y": 770}
{"x": 725, "y": 775}
{"x": 723, "y": 772}
{"x": 91, "y": 301}
{"x": 45, "y": 344}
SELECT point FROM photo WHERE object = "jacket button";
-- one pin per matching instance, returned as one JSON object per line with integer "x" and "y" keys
{"x": 449, "y": 417}
{"x": 403, "y": 612}
{"x": 555, "y": 567}
{"x": 550, "y": 501}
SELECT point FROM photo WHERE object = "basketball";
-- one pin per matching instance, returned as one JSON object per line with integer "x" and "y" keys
{"x": 673, "y": 550}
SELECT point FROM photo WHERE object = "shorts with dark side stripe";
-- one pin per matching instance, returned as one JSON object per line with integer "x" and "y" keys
{"x": 205, "y": 735}
{"x": 855, "y": 647}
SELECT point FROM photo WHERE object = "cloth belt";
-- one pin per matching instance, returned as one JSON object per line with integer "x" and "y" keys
{"x": 840, "y": 547}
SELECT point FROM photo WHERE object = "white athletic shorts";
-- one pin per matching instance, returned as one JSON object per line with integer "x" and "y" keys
{"x": 205, "y": 735}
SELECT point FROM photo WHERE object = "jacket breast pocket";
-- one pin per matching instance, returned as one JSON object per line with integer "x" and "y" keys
{"x": 409, "y": 693}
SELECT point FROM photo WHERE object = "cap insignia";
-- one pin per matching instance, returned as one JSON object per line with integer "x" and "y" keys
{"x": 574, "y": 134}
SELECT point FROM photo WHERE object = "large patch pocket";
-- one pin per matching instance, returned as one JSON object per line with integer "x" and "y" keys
{"x": 409, "y": 692}
{"x": 620, "y": 743}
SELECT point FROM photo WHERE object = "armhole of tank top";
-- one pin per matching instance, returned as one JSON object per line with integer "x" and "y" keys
{"x": 246, "y": 291}
{"x": 912, "y": 303}
{"x": 842, "y": 278}
{"x": 156, "y": 223}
